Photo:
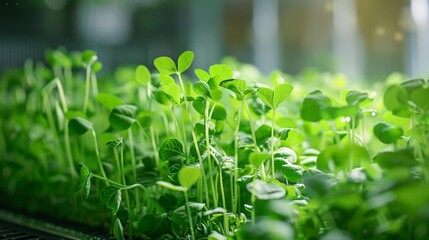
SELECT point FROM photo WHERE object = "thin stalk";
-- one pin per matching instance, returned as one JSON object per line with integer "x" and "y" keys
{"x": 127, "y": 196}
{"x": 222, "y": 192}
{"x": 273, "y": 172}
{"x": 94, "y": 85}
{"x": 51, "y": 123}
{"x": 191, "y": 224}
{"x": 87, "y": 86}
{"x": 68, "y": 148}
{"x": 209, "y": 160}
{"x": 68, "y": 76}
{"x": 197, "y": 148}
{"x": 97, "y": 153}
{"x": 237, "y": 129}
{"x": 252, "y": 129}
{"x": 134, "y": 165}
{"x": 253, "y": 201}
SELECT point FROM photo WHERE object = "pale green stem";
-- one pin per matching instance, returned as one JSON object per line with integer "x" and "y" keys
{"x": 191, "y": 224}
{"x": 209, "y": 160}
{"x": 236, "y": 138}
{"x": 273, "y": 172}
{"x": 133, "y": 162}
{"x": 97, "y": 153}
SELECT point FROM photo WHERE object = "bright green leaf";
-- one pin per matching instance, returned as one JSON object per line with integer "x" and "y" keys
{"x": 188, "y": 176}
{"x": 171, "y": 186}
{"x": 257, "y": 158}
{"x": 185, "y": 61}
{"x": 172, "y": 90}
{"x": 143, "y": 75}
{"x": 265, "y": 191}
{"x": 165, "y": 65}
{"x": 387, "y": 133}
{"x": 109, "y": 101}
{"x": 84, "y": 183}
{"x": 202, "y": 88}
{"x": 202, "y": 75}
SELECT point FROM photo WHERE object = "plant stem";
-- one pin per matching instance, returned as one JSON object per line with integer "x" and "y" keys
{"x": 207, "y": 138}
{"x": 134, "y": 165}
{"x": 252, "y": 129}
{"x": 97, "y": 153}
{"x": 273, "y": 172}
{"x": 191, "y": 224}
{"x": 127, "y": 197}
{"x": 236, "y": 138}
{"x": 68, "y": 149}
{"x": 87, "y": 86}
{"x": 197, "y": 148}
{"x": 94, "y": 84}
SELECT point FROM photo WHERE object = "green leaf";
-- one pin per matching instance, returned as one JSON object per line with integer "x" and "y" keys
{"x": 167, "y": 201}
{"x": 155, "y": 225}
{"x": 79, "y": 126}
{"x": 356, "y": 97}
{"x": 123, "y": 116}
{"x": 165, "y": 79}
{"x": 109, "y": 101}
{"x": 185, "y": 61}
{"x": 171, "y": 149}
{"x": 420, "y": 97}
{"x": 339, "y": 157}
{"x": 180, "y": 215}
{"x": 143, "y": 75}
{"x": 118, "y": 230}
{"x": 262, "y": 134}
{"x": 413, "y": 84}
{"x": 97, "y": 66}
{"x": 395, "y": 98}
{"x": 88, "y": 57}
{"x": 221, "y": 71}
{"x": 403, "y": 158}
{"x": 172, "y": 90}
{"x": 293, "y": 173}
{"x": 202, "y": 88}
{"x": 265, "y": 191}
{"x": 273, "y": 98}
{"x": 287, "y": 154}
{"x": 284, "y": 133}
{"x": 84, "y": 183}
{"x": 331, "y": 113}
{"x": 188, "y": 176}
{"x": 312, "y": 106}
{"x": 237, "y": 86}
{"x": 267, "y": 96}
{"x": 216, "y": 94}
{"x": 281, "y": 93}
{"x": 202, "y": 75}
{"x": 257, "y": 158}
{"x": 165, "y": 65}
{"x": 216, "y": 236}
{"x": 219, "y": 112}
{"x": 387, "y": 133}
{"x": 199, "y": 105}
{"x": 171, "y": 186}
{"x": 265, "y": 226}
{"x": 111, "y": 197}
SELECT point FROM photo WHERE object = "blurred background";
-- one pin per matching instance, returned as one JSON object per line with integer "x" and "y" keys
{"x": 364, "y": 39}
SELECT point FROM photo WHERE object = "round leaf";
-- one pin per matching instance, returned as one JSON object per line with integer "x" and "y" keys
{"x": 188, "y": 176}
{"x": 293, "y": 173}
{"x": 79, "y": 126}
{"x": 165, "y": 65}
{"x": 387, "y": 133}
{"x": 143, "y": 75}
{"x": 122, "y": 117}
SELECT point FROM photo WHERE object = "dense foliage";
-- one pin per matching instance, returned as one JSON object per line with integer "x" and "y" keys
{"x": 223, "y": 153}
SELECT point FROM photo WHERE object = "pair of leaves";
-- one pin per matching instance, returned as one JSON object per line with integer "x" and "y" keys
{"x": 273, "y": 98}
{"x": 166, "y": 65}
{"x": 203, "y": 89}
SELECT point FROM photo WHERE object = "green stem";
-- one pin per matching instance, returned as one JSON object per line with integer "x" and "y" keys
{"x": 209, "y": 160}
{"x": 252, "y": 129}
{"x": 197, "y": 148}
{"x": 97, "y": 153}
{"x": 68, "y": 149}
{"x": 94, "y": 84}
{"x": 127, "y": 196}
{"x": 237, "y": 129}
{"x": 273, "y": 172}
{"x": 134, "y": 165}
{"x": 191, "y": 224}
{"x": 87, "y": 86}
